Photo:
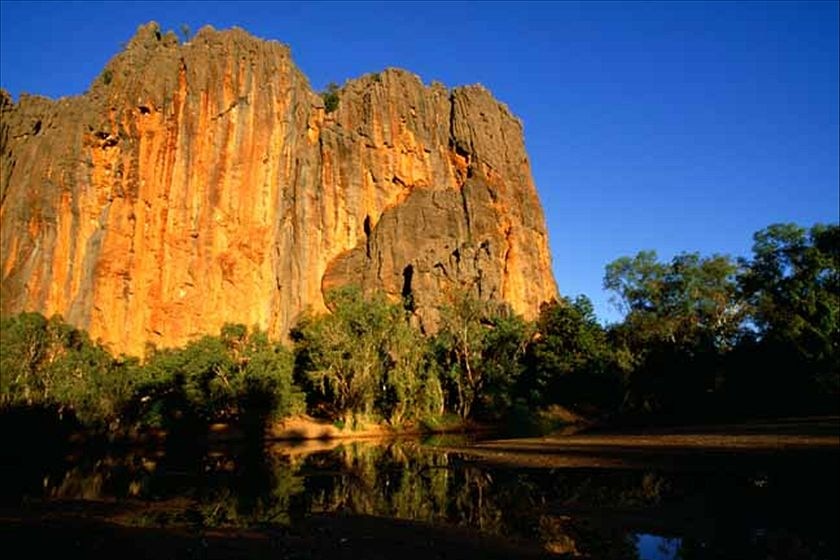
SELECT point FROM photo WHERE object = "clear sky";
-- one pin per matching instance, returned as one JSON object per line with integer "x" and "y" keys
{"x": 674, "y": 126}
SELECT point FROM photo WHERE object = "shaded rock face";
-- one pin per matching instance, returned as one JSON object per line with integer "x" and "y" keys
{"x": 202, "y": 183}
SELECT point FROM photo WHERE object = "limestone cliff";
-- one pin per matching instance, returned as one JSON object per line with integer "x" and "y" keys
{"x": 200, "y": 183}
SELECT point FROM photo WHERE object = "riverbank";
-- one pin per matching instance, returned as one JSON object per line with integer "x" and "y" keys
{"x": 635, "y": 447}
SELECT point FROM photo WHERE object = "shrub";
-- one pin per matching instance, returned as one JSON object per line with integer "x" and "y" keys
{"x": 330, "y": 97}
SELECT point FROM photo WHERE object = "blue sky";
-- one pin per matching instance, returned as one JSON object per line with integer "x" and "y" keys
{"x": 674, "y": 126}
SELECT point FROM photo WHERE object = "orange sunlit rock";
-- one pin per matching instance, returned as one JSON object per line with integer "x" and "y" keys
{"x": 204, "y": 183}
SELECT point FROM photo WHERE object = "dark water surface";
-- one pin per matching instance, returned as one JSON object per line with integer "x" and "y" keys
{"x": 738, "y": 505}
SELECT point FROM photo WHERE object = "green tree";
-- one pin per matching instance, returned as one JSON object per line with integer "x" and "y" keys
{"x": 684, "y": 300}
{"x": 681, "y": 319}
{"x": 792, "y": 283}
{"x": 365, "y": 358}
{"x": 460, "y": 344}
{"x": 46, "y": 361}
{"x": 265, "y": 384}
{"x": 239, "y": 376}
{"x": 24, "y": 350}
{"x": 505, "y": 343}
{"x": 570, "y": 361}
{"x": 478, "y": 347}
{"x": 412, "y": 385}
{"x": 200, "y": 372}
{"x": 346, "y": 350}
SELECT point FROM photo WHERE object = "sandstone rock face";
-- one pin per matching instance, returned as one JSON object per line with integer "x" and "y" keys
{"x": 202, "y": 183}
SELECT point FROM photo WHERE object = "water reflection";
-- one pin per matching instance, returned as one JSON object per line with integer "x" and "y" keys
{"x": 654, "y": 547}
{"x": 576, "y": 512}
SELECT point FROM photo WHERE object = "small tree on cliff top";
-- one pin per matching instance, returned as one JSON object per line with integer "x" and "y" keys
{"x": 330, "y": 97}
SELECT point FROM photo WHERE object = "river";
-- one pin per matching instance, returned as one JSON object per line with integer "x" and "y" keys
{"x": 429, "y": 495}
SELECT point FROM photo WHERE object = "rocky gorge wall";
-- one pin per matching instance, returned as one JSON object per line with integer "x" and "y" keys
{"x": 201, "y": 183}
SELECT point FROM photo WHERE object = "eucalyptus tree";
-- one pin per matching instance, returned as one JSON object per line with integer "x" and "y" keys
{"x": 366, "y": 359}
{"x": 479, "y": 346}
{"x": 681, "y": 319}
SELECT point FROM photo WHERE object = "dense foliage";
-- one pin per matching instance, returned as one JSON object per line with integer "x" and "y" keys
{"x": 702, "y": 338}
{"x": 712, "y": 336}
{"x": 365, "y": 360}
{"x": 50, "y": 362}
{"x": 236, "y": 376}
{"x": 792, "y": 352}
{"x": 570, "y": 361}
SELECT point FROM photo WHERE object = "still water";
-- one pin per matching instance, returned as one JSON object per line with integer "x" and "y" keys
{"x": 722, "y": 506}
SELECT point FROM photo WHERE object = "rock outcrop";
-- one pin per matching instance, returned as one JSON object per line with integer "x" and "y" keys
{"x": 201, "y": 183}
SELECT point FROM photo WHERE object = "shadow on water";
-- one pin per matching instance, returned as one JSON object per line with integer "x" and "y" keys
{"x": 332, "y": 494}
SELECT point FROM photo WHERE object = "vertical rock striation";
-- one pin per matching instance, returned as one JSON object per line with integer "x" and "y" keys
{"x": 202, "y": 183}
